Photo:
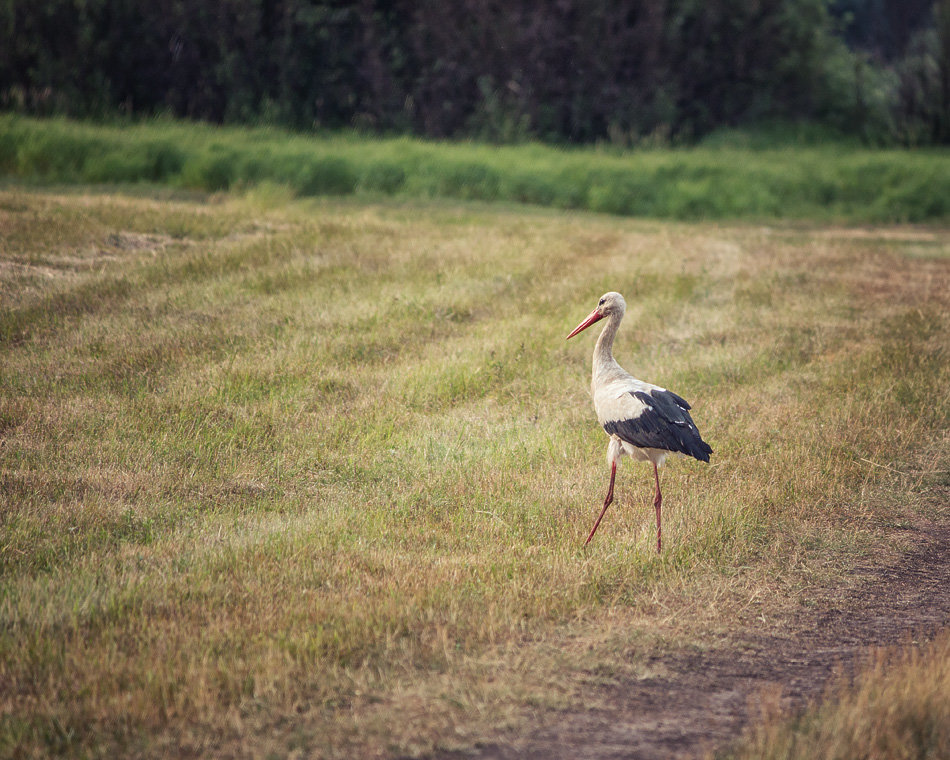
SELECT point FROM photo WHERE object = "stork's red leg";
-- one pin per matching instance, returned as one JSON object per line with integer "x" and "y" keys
{"x": 657, "y": 503}
{"x": 610, "y": 498}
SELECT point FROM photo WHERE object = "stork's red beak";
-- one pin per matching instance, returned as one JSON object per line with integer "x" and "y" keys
{"x": 594, "y": 316}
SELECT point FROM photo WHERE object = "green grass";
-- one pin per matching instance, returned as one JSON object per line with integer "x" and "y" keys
{"x": 723, "y": 180}
{"x": 310, "y": 474}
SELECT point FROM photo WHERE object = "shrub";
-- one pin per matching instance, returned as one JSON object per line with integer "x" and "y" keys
{"x": 472, "y": 181}
{"x": 117, "y": 166}
{"x": 326, "y": 176}
{"x": 384, "y": 177}
{"x": 163, "y": 159}
{"x": 213, "y": 170}
{"x": 56, "y": 154}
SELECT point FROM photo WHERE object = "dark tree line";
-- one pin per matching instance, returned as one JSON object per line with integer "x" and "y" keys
{"x": 563, "y": 70}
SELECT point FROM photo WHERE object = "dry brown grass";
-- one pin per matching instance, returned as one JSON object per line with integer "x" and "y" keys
{"x": 897, "y": 708}
{"x": 288, "y": 476}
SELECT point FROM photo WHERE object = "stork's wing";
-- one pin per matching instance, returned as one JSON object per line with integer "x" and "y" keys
{"x": 658, "y": 419}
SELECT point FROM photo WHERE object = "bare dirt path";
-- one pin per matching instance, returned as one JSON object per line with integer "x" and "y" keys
{"x": 704, "y": 699}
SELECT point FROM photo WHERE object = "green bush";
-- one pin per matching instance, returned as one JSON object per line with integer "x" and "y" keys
{"x": 57, "y": 155}
{"x": 383, "y": 177}
{"x": 8, "y": 153}
{"x": 213, "y": 170}
{"x": 920, "y": 199}
{"x": 326, "y": 176}
{"x": 841, "y": 181}
{"x": 468, "y": 180}
{"x": 118, "y": 166}
{"x": 529, "y": 187}
{"x": 623, "y": 193}
{"x": 163, "y": 160}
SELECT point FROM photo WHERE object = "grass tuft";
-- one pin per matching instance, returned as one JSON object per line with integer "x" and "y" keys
{"x": 897, "y": 707}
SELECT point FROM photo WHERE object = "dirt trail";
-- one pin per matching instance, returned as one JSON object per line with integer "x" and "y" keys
{"x": 704, "y": 699}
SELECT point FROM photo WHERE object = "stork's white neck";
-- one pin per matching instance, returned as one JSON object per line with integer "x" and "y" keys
{"x": 603, "y": 351}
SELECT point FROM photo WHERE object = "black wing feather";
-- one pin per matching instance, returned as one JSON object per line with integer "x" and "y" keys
{"x": 664, "y": 424}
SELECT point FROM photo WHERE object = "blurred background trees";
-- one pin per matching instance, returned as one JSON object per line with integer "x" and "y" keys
{"x": 621, "y": 71}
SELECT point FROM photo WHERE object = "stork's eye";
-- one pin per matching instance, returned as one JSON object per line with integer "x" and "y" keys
{"x": 601, "y": 302}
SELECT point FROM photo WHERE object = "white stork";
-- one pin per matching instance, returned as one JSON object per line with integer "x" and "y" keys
{"x": 644, "y": 421}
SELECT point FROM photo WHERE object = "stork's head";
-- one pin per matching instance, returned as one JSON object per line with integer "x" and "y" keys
{"x": 608, "y": 305}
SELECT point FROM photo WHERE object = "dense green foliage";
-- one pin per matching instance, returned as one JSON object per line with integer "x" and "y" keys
{"x": 729, "y": 177}
{"x": 569, "y": 71}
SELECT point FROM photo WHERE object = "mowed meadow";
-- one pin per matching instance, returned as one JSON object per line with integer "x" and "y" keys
{"x": 313, "y": 475}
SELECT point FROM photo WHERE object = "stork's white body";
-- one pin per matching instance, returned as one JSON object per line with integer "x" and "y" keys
{"x": 612, "y": 390}
{"x": 644, "y": 421}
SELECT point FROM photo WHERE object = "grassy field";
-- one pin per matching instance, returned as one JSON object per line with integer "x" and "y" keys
{"x": 726, "y": 178}
{"x": 288, "y": 475}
